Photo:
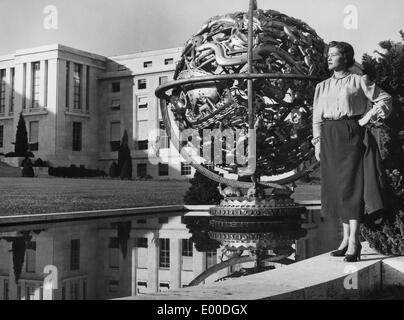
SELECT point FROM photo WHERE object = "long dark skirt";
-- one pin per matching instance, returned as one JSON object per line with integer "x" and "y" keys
{"x": 341, "y": 166}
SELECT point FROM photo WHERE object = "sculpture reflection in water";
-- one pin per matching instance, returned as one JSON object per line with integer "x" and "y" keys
{"x": 250, "y": 239}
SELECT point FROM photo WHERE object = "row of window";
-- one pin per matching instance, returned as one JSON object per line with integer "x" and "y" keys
{"x": 116, "y": 85}
{"x": 149, "y": 64}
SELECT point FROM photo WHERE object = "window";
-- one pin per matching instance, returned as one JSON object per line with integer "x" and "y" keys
{"x": 75, "y": 254}
{"x": 113, "y": 253}
{"x": 142, "y": 102}
{"x": 186, "y": 254}
{"x": 67, "y": 84}
{"x": 116, "y": 86}
{"x": 116, "y": 104}
{"x": 211, "y": 258}
{"x": 30, "y": 292}
{"x": 30, "y": 257}
{"x": 163, "y": 169}
{"x": 33, "y": 135}
{"x": 142, "y": 169}
{"x": 141, "y": 287}
{"x": 187, "y": 247}
{"x": 1, "y": 136}
{"x": 141, "y": 243}
{"x": 115, "y": 136}
{"x": 168, "y": 61}
{"x": 77, "y": 132}
{"x": 19, "y": 292}
{"x": 77, "y": 74}
{"x": 64, "y": 291}
{"x": 2, "y": 91}
{"x": 11, "y": 110}
{"x": 164, "y": 140}
{"x": 185, "y": 169}
{"x": 164, "y": 286}
{"x": 88, "y": 89}
{"x": 141, "y": 221}
{"x": 141, "y": 84}
{"x": 163, "y": 80}
{"x": 84, "y": 289}
{"x": 74, "y": 290}
{"x": 36, "y": 83}
{"x": 113, "y": 285}
{"x": 5, "y": 290}
{"x": 164, "y": 253}
{"x": 143, "y": 145}
{"x": 147, "y": 64}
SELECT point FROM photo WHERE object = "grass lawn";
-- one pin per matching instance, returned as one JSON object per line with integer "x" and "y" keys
{"x": 51, "y": 195}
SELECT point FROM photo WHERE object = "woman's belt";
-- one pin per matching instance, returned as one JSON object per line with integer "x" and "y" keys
{"x": 345, "y": 117}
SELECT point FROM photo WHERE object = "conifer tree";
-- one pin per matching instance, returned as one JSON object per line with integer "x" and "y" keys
{"x": 21, "y": 139}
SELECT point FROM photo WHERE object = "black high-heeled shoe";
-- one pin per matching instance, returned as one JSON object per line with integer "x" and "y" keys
{"x": 356, "y": 256}
{"x": 339, "y": 252}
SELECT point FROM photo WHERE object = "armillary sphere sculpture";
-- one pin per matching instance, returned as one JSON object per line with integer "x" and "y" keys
{"x": 252, "y": 74}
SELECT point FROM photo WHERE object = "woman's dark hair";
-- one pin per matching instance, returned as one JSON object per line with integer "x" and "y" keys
{"x": 346, "y": 50}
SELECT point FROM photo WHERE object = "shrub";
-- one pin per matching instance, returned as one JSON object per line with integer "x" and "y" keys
{"x": 27, "y": 170}
{"x": 14, "y": 154}
{"x": 74, "y": 172}
{"x": 202, "y": 191}
{"x": 113, "y": 170}
{"x": 40, "y": 163}
{"x": 388, "y": 236}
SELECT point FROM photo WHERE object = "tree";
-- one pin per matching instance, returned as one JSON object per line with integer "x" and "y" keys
{"x": 124, "y": 158}
{"x": 387, "y": 70}
{"x": 21, "y": 139}
{"x": 202, "y": 191}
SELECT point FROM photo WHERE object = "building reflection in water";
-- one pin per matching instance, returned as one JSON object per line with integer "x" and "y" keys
{"x": 117, "y": 257}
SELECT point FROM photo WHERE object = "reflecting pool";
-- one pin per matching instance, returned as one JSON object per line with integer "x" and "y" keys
{"x": 122, "y": 256}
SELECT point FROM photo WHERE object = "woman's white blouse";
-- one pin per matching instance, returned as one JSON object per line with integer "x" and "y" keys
{"x": 348, "y": 95}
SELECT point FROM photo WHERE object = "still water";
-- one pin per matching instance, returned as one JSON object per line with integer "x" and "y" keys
{"x": 114, "y": 257}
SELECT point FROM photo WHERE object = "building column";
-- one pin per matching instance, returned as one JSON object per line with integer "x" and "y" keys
{"x": 199, "y": 261}
{"x": 153, "y": 263}
{"x": 8, "y": 92}
{"x": 18, "y": 88}
{"x": 43, "y": 76}
{"x": 28, "y": 86}
{"x": 134, "y": 120}
{"x": 71, "y": 86}
{"x": 134, "y": 268}
{"x": 83, "y": 85}
{"x": 175, "y": 264}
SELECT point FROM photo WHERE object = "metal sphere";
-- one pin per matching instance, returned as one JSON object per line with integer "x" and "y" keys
{"x": 210, "y": 87}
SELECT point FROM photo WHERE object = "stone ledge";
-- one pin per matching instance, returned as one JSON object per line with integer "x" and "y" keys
{"x": 320, "y": 277}
{"x": 64, "y": 216}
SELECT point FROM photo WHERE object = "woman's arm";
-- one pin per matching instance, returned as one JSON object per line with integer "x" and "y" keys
{"x": 382, "y": 101}
{"x": 317, "y": 119}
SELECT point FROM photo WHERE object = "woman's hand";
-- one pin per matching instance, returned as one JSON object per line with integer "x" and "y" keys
{"x": 366, "y": 118}
{"x": 317, "y": 151}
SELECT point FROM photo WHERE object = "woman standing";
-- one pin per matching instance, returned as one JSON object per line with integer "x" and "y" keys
{"x": 339, "y": 116}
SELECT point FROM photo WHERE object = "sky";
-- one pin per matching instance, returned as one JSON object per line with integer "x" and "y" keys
{"x": 118, "y": 27}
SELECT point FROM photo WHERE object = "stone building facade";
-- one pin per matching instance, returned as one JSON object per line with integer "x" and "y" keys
{"x": 77, "y": 105}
